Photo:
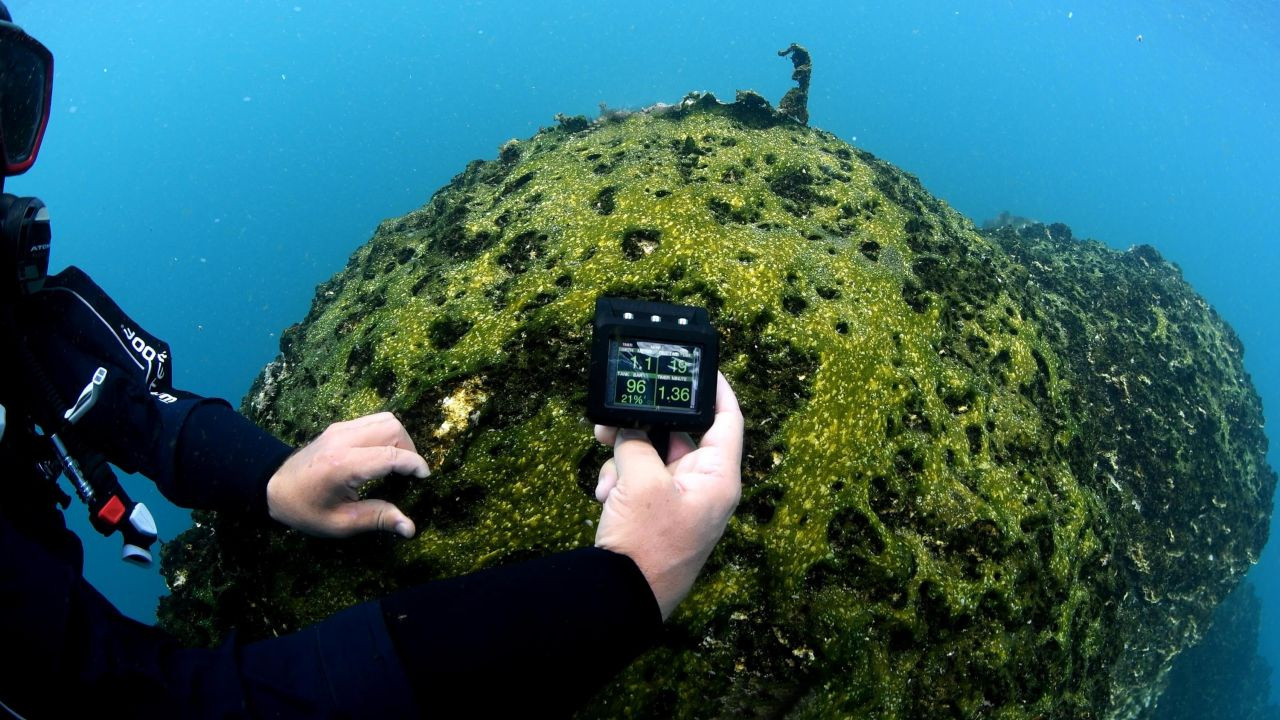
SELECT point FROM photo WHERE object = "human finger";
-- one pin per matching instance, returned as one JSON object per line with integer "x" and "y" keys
{"x": 606, "y": 434}
{"x": 370, "y": 419}
{"x": 608, "y": 479}
{"x": 634, "y": 454}
{"x": 366, "y": 463}
{"x": 372, "y": 514}
{"x": 725, "y": 435}
{"x": 681, "y": 445}
{"x": 380, "y": 429}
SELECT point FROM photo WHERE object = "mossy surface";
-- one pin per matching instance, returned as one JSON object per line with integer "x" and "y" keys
{"x": 955, "y": 503}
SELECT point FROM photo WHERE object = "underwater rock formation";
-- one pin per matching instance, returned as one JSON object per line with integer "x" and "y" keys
{"x": 1005, "y": 475}
{"x": 1171, "y": 426}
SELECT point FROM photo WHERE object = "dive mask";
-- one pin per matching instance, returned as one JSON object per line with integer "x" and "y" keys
{"x": 26, "y": 83}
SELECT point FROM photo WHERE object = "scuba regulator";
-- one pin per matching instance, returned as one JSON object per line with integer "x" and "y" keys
{"x": 24, "y": 259}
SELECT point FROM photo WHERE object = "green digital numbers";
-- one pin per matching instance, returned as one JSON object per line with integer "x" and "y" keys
{"x": 654, "y": 375}
{"x": 674, "y": 394}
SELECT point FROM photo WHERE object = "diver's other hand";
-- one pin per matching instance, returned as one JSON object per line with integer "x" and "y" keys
{"x": 317, "y": 489}
{"x": 667, "y": 518}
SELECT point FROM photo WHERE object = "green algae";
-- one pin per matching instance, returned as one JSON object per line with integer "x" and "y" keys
{"x": 954, "y": 500}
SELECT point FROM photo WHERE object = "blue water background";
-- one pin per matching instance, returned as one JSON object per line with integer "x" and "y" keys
{"x": 210, "y": 163}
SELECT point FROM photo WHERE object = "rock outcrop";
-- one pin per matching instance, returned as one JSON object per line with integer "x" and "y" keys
{"x": 986, "y": 475}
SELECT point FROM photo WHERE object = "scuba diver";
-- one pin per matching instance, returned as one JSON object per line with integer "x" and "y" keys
{"x": 83, "y": 387}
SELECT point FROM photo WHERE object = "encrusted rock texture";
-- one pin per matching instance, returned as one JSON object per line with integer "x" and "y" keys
{"x": 1005, "y": 474}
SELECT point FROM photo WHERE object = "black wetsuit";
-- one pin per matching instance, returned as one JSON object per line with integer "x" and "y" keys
{"x": 531, "y": 639}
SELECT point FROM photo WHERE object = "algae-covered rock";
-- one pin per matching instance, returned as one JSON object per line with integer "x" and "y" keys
{"x": 1003, "y": 475}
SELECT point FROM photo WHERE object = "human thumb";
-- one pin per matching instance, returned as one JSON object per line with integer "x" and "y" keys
{"x": 373, "y": 514}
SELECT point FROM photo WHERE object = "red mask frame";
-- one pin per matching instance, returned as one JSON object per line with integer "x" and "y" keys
{"x": 26, "y": 88}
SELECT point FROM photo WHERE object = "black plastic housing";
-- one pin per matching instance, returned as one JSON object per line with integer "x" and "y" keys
{"x": 619, "y": 320}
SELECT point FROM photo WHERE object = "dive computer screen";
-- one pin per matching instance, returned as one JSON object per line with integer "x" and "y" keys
{"x": 650, "y": 375}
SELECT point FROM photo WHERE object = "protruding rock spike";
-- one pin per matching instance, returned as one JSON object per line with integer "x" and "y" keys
{"x": 795, "y": 104}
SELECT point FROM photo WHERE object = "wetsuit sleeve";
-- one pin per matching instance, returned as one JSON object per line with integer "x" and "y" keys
{"x": 223, "y": 461}
{"x": 198, "y": 451}
{"x": 537, "y": 638}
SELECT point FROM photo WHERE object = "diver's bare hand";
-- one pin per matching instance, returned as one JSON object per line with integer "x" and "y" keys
{"x": 317, "y": 489}
{"x": 667, "y": 518}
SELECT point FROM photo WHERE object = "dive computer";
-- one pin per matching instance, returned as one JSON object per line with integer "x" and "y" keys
{"x": 653, "y": 367}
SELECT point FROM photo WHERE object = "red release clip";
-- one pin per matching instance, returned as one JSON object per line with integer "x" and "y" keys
{"x": 112, "y": 511}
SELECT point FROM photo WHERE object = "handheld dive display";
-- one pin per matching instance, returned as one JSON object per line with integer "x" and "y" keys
{"x": 653, "y": 366}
